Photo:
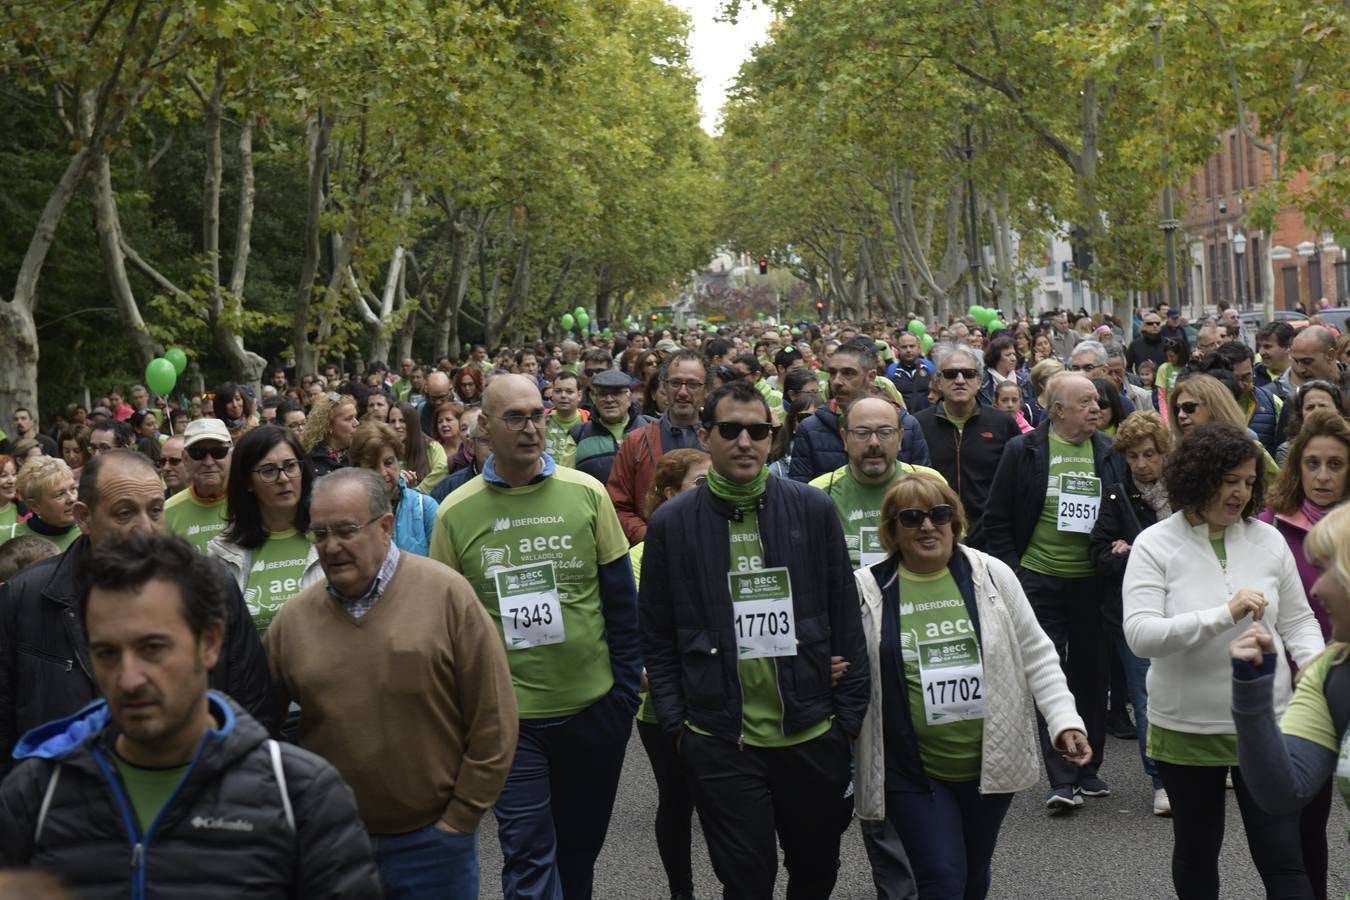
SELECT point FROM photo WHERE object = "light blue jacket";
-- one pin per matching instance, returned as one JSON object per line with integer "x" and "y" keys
{"x": 412, "y": 524}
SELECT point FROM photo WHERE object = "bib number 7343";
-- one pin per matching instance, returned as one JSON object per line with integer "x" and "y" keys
{"x": 530, "y": 606}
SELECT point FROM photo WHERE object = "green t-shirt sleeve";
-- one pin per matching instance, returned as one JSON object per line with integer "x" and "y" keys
{"x": 1308, "y": 716}
{"x": 442, "y": 547}
{"x": 610, "y": 543}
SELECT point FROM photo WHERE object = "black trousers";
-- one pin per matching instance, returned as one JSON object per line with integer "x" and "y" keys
{"x": 1198, "y": 796}
{"x": 1069, "y": 612}
{"x": 674, "y": 807}
{"x": 751, "y": 799}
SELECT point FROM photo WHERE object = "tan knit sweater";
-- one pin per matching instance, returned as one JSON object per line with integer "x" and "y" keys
{"x": 412, "y": 703}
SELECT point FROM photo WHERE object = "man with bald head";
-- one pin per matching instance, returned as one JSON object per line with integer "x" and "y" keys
{"x": 1312, "y": 356}
{"x": 1042, "y": 505}
{"x": 544, "y": 551}
{"x": 438, "y": 392}
{"x": 45, "y": 671}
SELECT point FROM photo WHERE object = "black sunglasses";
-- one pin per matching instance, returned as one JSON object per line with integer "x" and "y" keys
{"x": 200, "y": 453}
{"x": 967, "y": 374}
{"x": 913, "y": 517}
{"x": 1188, "y": 406}
{"x": 730, "y": 431}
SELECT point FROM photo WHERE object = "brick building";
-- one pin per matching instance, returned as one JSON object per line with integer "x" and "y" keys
{"x": 1220, "y": 258}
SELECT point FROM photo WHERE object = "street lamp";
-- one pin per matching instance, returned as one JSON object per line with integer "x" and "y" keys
{"x": 1239, "y": 245}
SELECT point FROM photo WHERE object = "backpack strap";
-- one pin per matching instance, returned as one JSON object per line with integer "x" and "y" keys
{"x": 47, "y": 802}
{"x": 275, "y": 749}
{"x": 1336, "y": 690}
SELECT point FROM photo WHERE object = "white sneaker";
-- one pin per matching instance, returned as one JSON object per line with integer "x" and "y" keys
{"x": 1162, "y": 806}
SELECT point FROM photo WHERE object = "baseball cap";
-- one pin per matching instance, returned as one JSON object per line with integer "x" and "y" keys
{"x": 200, "y": 430}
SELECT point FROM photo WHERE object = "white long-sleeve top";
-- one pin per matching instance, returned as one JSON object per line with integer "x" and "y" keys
{"x": 1176, "y": 597}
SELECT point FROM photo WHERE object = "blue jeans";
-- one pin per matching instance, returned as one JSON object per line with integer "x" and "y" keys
{"x": 427, "y": 864}
{"x": 1136, "y": 685}
{"x": 949, "y": 835}
{"x": 553, "y": 812}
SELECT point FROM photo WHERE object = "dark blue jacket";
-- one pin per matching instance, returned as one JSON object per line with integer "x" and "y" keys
{"x": 225, "y": 831}
{"x": 818, "y": 447}
{"x": 596, "y": 447}
{"x": 1017, "y": 494}
{"x": 913, "y": 386}
{"x": 688, "y": 631}
{"x": 455, "y": 479}
{"x": 904, "y": 767}
{"x": 1265, "y": 421}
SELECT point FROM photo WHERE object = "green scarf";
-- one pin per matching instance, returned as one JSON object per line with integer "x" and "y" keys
{"x": 743, "y": 496}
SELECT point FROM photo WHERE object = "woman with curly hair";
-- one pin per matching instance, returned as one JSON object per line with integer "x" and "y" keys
{"x": 1193, "y": 582}
{"x": 328, "y": 432}
{"x": 1311, "y": 396}
{"x": 469, "y": 386}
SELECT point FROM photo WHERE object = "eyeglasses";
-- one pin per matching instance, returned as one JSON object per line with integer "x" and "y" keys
{"x": 516, "y": 421}
{"x": 731, "y": 431}
{"x": 344, "y": 532}
{"x": 200, "y": 453}
{"x": 953, "y": 374}
{"x": 885, "y": 433}
{"x": 1151, "y": 322}
{"x": 270, "y": 473}
{"x": 679, "y": 384}
{"x": 1189, "y": 406}
{"x": 437, "y": 399}
{"x": 166, "y": 461}
{"x": 913, "y": 518}
{"x": 1085, "y": 367}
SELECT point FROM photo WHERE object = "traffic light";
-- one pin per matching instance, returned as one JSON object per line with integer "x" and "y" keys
{"x": 764, "y": 267}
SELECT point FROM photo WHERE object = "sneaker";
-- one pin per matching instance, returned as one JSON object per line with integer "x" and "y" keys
{"x": 1161, "y": 805}
{"x": 1118, "y": 725}
{"x": 1092, "y": 786}
{"x": 1063, "y": 798}
{"x": 1228, "y": 779}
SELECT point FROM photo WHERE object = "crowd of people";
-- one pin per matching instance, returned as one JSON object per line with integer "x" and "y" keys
{"x": 303, "y": 638}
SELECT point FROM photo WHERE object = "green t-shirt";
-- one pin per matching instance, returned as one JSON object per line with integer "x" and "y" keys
{"x": 1183, "y": 748}
{"x": 193, "y": 520}
{"x": 148, "y": 789}
{"x": 859, "y": 508}
{"x": 62, "y": 541}
{"x": 1217, "y": 545}
{"x": 274, "y": 578}
{"x": 1308, "y": 715}
{"x": 560, "y": 444}
{"x": 1073, "y": 474}
{"x": 931, "y": 609}
{"x": 761, "y": 706}
{"x": 553, "y": 535}
{"x": 9, "y": 517}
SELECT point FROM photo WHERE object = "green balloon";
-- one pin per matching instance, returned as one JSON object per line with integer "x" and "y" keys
{"x": 160, "y": 376}
{"x": 712, "y": 329}
{"x": 178, "y": 358}
{"x": 916, "y": 327}
{"x": 467, "y": 346}
{"x": 578, "y": 311}
{"x": 567, "y": 321}
{"x": 608, "y": 332}
{"x": 925, "y": 342}
{"x": 584, "y": 319}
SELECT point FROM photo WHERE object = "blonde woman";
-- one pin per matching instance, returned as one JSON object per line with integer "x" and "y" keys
{"x": 48, "y": 488}
{"x": 328, "y": 432}
{"x": 1204, "y": 400}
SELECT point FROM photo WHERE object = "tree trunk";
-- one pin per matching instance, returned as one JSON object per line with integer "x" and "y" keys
{"x": 109, "y": 230}
{"x": 316, "y": 141}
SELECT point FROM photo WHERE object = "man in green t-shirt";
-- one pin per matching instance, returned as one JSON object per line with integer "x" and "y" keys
{"x": 747, "y": 593}
{"x": 543, "y": 549}
{"x": 564, "y": 417}
{"x": 872, "y": 437}
{"x": 1043, "y": 503}
{"x": 198, "y": 514}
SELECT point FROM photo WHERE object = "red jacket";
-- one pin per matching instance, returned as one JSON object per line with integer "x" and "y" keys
{"x": 631, "y": 477}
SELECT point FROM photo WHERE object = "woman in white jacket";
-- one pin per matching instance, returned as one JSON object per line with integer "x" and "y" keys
{"x": 264, "y": 544}
{"x": 956, "y": 658}
{"x": 1193, "y": 583}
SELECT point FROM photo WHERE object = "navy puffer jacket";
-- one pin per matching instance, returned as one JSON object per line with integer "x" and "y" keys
{"x": 818, "y": 447}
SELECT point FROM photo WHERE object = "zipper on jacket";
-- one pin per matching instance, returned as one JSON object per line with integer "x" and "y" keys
{"x": 49, "y": 657}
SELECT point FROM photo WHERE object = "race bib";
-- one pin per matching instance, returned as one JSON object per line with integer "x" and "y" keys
{"x": 1080, "y": 498}
{"x": 951, "y": 676}
{"x": 531, "y": 609}
{"x": 762, "y": 606}
{"x": 870, "y": 551}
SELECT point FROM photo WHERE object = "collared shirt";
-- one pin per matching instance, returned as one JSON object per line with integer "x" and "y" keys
{"x": 366, "y": 602}
{"x": 677, "y": 437}
{"x": 546, "y": 471}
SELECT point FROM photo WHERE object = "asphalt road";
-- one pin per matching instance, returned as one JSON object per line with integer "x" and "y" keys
{"x": 1110, "y": 848}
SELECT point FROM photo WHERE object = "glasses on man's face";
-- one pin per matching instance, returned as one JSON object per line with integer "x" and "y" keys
{"x": 953, "y": 374}
{"x": 885, "y": 433}
{"x": 165, "y": 461}
{"x": 271, "y": 472}
{"x": 731, "y": 431}
{"x": 1085, "y": 367}
{"x": 200, "y": 453}
{"x": 516, "y": 421}
{"x": 437, "y": 399}
{"x": 1151, "y": 323}
{"x": 681, "y": 384}
{"x": 344, "y": 532}
{"x": 913, "y": 517}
